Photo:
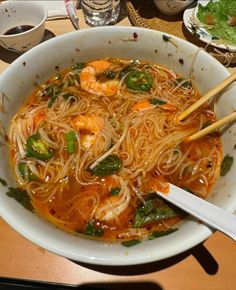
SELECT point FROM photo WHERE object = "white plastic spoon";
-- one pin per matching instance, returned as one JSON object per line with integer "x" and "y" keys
{"x": 205, "y": 211}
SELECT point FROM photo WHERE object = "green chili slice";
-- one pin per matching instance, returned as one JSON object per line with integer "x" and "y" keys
{"x": 139, "y": 81}
{"x": 36, "y": 148}
{"x": 70, "y": 142}
{"x": 25, "y": 172}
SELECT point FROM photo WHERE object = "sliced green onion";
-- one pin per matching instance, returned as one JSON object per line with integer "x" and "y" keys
{"x": 70, "y": 142}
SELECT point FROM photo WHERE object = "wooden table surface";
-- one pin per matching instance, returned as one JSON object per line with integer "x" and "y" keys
{"x": 209, "y": 266}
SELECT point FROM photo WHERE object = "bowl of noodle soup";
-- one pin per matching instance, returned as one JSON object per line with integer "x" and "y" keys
{"x": 90, "y": 132}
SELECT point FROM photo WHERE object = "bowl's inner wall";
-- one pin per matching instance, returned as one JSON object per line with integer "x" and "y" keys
{"x": 40, "y": 63}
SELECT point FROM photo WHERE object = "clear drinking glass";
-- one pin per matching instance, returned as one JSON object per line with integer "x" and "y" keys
{"x": 100, "y": 12}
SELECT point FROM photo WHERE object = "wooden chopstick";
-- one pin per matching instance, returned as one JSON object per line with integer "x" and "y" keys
{"x": 208, "y": 95}
{"x": 212, "y": 127}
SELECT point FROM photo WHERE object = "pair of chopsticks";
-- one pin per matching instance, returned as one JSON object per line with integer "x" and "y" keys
{"x": 229, "y": 80}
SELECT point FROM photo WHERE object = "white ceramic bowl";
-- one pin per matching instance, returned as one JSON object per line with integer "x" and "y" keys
{"x": 172, "y": 7}
{"x": 36, "y": 65}
{"x": 18, "y": 13}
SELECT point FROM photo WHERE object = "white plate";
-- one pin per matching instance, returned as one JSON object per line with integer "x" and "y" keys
{"x": 201, "y": 32}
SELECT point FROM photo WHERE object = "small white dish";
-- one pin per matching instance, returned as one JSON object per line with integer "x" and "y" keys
{"x": 172, "y": 7}
{"x": 190, "y": 16}
{"x": 15, "y": 14}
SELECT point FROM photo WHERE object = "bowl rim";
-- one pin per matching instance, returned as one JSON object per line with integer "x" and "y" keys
{"x": 202, "y": 234}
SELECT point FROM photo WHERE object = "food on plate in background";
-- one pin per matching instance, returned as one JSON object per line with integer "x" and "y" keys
{"x": 219, "y": 19}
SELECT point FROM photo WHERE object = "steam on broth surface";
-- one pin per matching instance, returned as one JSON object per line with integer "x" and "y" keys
{"x": 93, "y": 144}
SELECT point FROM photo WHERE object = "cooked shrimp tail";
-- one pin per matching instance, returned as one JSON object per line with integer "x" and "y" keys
{"x": 89, "y": 82}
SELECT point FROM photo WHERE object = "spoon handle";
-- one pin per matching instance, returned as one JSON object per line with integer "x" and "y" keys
{"x": 205, "y": 211}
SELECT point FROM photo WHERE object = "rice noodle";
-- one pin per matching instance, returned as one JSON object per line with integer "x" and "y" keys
{"x": 150, "y": 143}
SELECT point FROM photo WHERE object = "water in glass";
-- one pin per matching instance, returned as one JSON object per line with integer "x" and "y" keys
{"x": 100, "y": 12}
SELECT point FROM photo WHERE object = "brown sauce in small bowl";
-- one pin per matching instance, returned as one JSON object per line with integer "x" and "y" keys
{"x": 18, "y": 29}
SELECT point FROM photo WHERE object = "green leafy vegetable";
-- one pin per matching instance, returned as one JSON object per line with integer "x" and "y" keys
{"x": 128, "y": 68}
{"x": 115, "y": 191}
{"x": 21, "y": 196}
{"x": 3, "y": 182}
{"x": 36, "y": 148}
{"x": 158, "y": 234}
{"x": 51, "y": 92}
{"x": 185, "y": 84}
{"x": 157, "y": 102}
{"x": 70, "y": 142}
{"x": 206, "y": 124}
{"x": 111, "y": 74}
{"x": 226, "y": 165}
{"x": 78, "y": 66}
{"x": 216, "y": 17}
{"x": 25, "y": 172}
{"x": 108, "y": 166}
{"x": 52, "y": 100}
{"x": 154, "y": 209}
{"x": 93, "y": 230}
{"x": 131, "y": 243}
{"x": 166, "y": 38}
{"x": 139, "y": 81}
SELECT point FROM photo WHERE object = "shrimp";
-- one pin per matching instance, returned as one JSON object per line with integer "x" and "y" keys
{"x": 88, "y": 125}
{"x": 113, "y": 206}
{"x": 89, "y": 82}
{"x": 146, "y": 105}
{"x": 142, "y": 105}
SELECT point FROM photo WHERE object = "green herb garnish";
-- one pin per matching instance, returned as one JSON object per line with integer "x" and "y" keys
{"x": 157, "y": 102}
{"x": 206, "y": 124}
{"x": 226, "y": 165}
{"x": 166, "y": 38}
{"x": 78, "y": 66}
{"x": 154, "y": 209}
{"x": 131, "y": 243}
{"x": 115, "y": 191}
{"x": 93, "y": 230}
{"x": 21, "y": 196}
{"x": 128, "y": 68}
{"x": 108, "y": 166}
{"x": 3, "y": 182}
{"x": 185, "y": 84}
{"x": 110, "y": 74}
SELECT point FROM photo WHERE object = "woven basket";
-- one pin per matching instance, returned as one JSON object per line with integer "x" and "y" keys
{"x": 145, "y": 14}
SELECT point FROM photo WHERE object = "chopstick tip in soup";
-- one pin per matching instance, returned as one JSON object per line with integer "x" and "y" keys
{"x": 93, "y": 144}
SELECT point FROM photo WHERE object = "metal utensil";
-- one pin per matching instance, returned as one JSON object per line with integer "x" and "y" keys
{"x": 71, "y": 10}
